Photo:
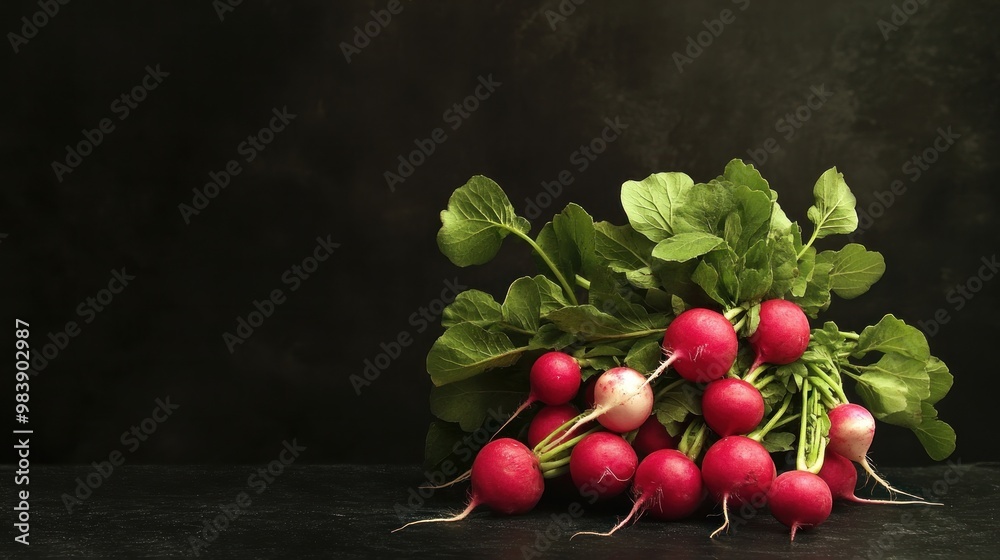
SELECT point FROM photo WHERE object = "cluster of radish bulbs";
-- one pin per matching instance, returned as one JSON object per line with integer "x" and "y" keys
{"x": 668, "y": 481}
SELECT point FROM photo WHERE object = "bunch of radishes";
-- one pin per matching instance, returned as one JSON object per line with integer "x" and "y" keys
{"x": 701, "y": 345}
{"x": 699, "y": 412}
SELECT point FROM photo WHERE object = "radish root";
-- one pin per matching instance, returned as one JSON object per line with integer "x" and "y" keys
{"x": 519, "y": 410}
{"x": 636, "y": 509}
{"x": 871, "y": 472}
{"x": 458, "y": 517}
{"x": 464, "y": 476}
{"x": 725, "y": 515}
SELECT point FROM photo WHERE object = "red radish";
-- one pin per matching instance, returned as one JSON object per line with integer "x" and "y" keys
{"x": 667, "y": 485}
{"x": 799, "y": 499}
{"x": 732, "y": 407}
{"x": 782, "y": 334}
{"x": 675, "y": 483}
{"x": 652, "y": 436}
{"x": 840, "y": 475}
{"x": 554, "y": 378}
{"x": 588, "y": 391}
{"x": 548, "y": 420}
{"x": 852, "y": 429}
{"x": 737, "y": 469}
{"x": 701, "y": 344}
{"x": 603, "y": 464}
{"x": 506, "y": 477}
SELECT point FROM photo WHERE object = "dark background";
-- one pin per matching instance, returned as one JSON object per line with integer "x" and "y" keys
{"x": 323, "y": 175}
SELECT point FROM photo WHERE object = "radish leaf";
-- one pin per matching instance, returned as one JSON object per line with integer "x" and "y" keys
{"x": 937, "y": 437}
{"x": 621, "y": 248}
{"x": 522, "y": 306}
{"x": 893, "y": 335}
{"x": 466, "y": 350}
{"x": 833, "y": 211}
{"x": 854, "y": 269}
{"x": 478, "y": 218}
{"x": 686, "y": 246}
{"x": 652, "y": 204}
{"x": 469, "y": 401}
{"x": 474, "y": 307}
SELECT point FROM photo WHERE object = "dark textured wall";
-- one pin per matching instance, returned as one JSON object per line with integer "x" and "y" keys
{"x": 888, "y": 98}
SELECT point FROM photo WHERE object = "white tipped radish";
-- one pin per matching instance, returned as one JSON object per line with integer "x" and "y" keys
{"x": 782, "y": 334}
{"x": 506, "y": 477}
{"x": 799, "y": 499}
{"x": 737, "y": 469}
{"x": 732, "y": 407}
{"x": 667, "y": 484}
{"x": 602, "y": 464}
{"x": 852, "y": 429}
{"x": 840, "y": 475}
{"x": 623, "y": 400}
{"x": 554, "y": 379}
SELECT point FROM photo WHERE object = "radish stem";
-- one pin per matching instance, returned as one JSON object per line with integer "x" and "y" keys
{"x": 548, "y": 262}
{"x": 549, "y": 465}
{"x": 668, "y": 388}
{"x": 837, "y": 387}
{"x": 733, "y": 313}
{"x": 753, "y": 375}
{"x": 800, "y": 459}
{"x": 759, "y": 434}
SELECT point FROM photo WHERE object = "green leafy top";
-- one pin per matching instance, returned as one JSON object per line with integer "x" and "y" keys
{"x": 605, "y": 294}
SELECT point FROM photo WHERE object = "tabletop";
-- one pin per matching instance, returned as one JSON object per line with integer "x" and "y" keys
{"x": 349, "y": 511}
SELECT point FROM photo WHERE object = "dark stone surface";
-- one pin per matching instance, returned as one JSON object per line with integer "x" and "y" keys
{"x": 324, "y": 175}
{"x": 348, "y": 512}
